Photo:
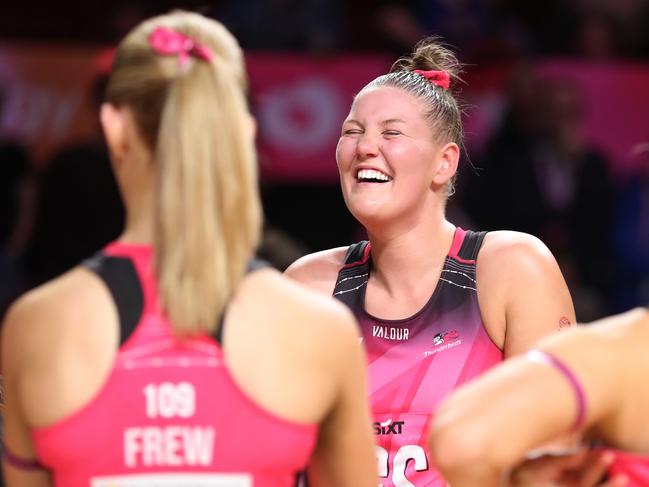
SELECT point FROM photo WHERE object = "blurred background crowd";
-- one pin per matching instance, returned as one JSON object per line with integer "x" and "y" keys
{"x": 557, "y": 104}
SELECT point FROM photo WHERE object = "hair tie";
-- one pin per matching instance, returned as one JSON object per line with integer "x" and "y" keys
{"x": 438, "y": 78}
{"x": 169, "y": 42}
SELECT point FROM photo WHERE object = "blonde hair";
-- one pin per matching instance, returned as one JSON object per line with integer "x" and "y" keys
{"x": 443, "y": 109}
{"x": 194, "y": 118}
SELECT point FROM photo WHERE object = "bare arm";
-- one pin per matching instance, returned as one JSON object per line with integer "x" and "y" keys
{"x": 16, "y": 348}
{"x": 51, "y": 367}
{"x": 488, "y": 426}
{"x": 344, "y": 455}
{"x": 523, "y": 295}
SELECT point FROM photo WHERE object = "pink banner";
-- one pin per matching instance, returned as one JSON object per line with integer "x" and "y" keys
{"x": 300, "y": 102}
{"x": 46, "y": 96}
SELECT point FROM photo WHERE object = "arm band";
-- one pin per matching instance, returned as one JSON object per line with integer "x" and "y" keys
{"x": 539, "y": 356}
{"x": 19, "y": 462}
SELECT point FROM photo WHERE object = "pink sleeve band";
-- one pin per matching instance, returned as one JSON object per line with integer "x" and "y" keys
{"x": 540, "y": 356}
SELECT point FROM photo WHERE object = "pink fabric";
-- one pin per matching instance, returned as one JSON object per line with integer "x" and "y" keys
{"x": 458, "y": 238}
{"x": 634, "y": 466}
{"x": 170, "y": 42}
{"x": 170, "y": 414}
{"x": 438, "y": 78}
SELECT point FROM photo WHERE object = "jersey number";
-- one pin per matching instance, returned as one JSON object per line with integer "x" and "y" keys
{"x": 169, "y": 400}
{"x": 401, "y": 459}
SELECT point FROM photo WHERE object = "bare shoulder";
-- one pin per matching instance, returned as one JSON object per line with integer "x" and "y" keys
{"x": 44, "y": 314}
{"x": 48, "y": 345}
{"x": 299, "y": 308}
{"x": 505, "y": 246}
{"x": 319, "y": 269}
{"x": 507, "y": 255}
{"x": 300, "y": 341}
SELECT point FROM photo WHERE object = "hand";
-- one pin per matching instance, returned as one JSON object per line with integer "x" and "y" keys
{"x": 581, "y": 468}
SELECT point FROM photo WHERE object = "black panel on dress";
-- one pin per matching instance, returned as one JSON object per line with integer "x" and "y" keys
{"x": 471, "y": 245}
{"x": 121, "y": 279}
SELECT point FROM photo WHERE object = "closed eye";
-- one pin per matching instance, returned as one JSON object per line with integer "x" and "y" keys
{"x": 391, "y": 132}
{"x": 352, "y": 132}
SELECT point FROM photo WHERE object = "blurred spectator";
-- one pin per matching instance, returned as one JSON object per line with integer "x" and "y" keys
{"x": 279, "y": 248}
{"x": 541, "y": 176}
{"x": 629, "y": 18}
{"x": 597, "y": 37}
{"x": 631, "y": 237}
{"x": 14, "y": 188}
{"x": 283, "y": 24}
{"x": 550, "y": 25}
{"x": 79, "y": 207}
{"x": 313, "y": 215}
{"x": 14, "y": 216}
{"x": 478, "y": 28}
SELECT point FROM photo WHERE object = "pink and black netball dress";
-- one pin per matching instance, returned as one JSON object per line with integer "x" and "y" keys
{"x": 416, "y": 362}
{"x": 169, "y": 412}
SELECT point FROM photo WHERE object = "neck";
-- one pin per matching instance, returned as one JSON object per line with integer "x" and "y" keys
{"x": 403, "y": 262}
{"x": 140, "y": 216}
{"x": 139, "y": 230}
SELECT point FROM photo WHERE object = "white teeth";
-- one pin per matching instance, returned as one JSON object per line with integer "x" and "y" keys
{"x": 372, "y": 175}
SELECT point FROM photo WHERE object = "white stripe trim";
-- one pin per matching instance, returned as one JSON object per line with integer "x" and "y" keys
{"x": 458, "y": 285}
{"x": 350, "y": 290}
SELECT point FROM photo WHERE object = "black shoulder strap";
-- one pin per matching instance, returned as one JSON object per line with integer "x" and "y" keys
{"x": 353, "y": 275}
{"x": 254, "y": 265}
{"x": 471, "y": 245}
{"x": 356, "y": 253}
{"x": 121, "y": 279}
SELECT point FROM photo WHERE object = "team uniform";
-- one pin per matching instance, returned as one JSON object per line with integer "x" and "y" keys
{"x": 416, "y": 362}
{"x": 634, "y": 466}
{"x": 169, "y": 412}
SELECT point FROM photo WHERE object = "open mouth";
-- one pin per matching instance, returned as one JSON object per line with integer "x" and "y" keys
{"x": 372, "y": 176}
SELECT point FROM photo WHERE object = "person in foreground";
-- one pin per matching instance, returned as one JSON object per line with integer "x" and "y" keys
{"x": 437, "y": 305}
{"x": 591, "y": 380}
{"x": 162, "y": 361}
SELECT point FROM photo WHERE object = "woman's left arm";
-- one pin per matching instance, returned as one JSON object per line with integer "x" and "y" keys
{"x": 523, "y": 294}
{"x": 19, "y": 351}
{"x": 488, "y": 426}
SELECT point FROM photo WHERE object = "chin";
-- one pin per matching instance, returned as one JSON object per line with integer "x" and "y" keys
{"x": 369, "y": 214}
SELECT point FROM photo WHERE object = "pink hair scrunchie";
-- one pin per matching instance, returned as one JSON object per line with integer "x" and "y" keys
{"x": 438, "y": 78}
{"x": 169, "y": 42}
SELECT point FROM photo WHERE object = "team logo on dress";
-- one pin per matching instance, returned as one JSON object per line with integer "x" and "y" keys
{"x": 445, "y": 336}
{"x": 443, "y": 341}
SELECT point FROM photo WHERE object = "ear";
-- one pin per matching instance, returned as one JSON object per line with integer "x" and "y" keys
{"x": 449, "y": 157}
{"x": 114, "y": 128}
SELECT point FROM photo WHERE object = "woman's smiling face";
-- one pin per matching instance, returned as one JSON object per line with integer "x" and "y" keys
{"x": 387, "y": 155}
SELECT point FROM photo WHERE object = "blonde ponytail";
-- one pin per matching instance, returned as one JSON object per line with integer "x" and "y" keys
{"x": 208, "y": 216}
{"x": 208, "y": 213}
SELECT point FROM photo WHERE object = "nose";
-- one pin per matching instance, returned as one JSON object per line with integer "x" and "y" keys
{"x": 367, "y": 146}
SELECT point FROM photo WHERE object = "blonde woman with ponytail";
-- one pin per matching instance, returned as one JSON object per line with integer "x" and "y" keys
{"x": 170, "y": 358}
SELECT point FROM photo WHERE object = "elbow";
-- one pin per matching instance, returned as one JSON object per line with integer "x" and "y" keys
{"x": 453, "y": 449}
{"x": 463, "y": 452}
